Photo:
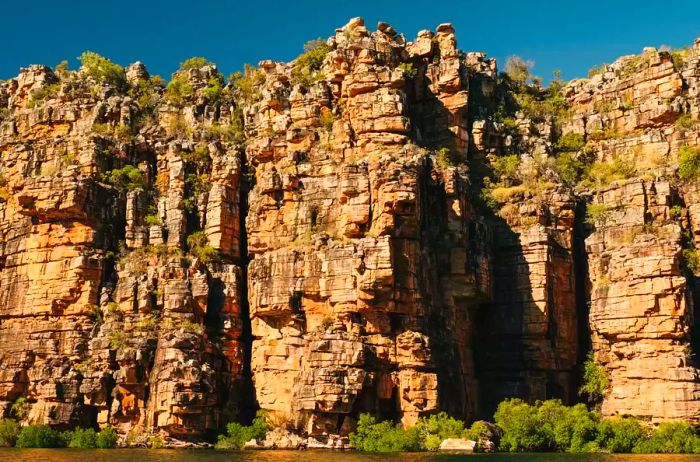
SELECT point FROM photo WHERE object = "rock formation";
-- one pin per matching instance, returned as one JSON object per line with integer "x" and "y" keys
{"x": 342, "y": 234}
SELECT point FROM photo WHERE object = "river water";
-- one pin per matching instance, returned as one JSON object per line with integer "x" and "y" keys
{"x": 204, "y": 455}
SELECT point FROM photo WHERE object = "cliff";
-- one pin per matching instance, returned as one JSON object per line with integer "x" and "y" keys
{"x": 379, "y": 226}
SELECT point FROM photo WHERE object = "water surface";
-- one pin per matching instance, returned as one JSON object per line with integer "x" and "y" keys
{"x": 204, "y": 455}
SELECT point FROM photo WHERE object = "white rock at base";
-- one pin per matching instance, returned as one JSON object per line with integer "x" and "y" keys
{"x": 457, "y": 444}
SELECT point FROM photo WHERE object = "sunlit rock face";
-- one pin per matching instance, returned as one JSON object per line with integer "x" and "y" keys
{"x": 313, "y": 239}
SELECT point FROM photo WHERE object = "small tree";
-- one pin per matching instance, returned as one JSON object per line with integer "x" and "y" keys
{"x": 595, "y": 379}
{"x": 103, "y": 70}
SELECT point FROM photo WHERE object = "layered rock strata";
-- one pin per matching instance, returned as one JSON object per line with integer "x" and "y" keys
{"x": 318, "y": 235}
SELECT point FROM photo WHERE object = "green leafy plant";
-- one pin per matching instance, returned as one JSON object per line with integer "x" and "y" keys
{"x": 9, "y": 432}
{"x": 127, "y": 178}
{"x": 42, "y": 94}
{"x": 438, "y": 427}
{"x": 691, "y": 259}
{"x": 106, "y": 438}
{"x": 373, "y": 436}
{"x": 237, "y": 435}
{"x": 178, "y": 90}
{"x": 689, "y": 163}
{"x": 595, "y": 379}
{"x": 409, "y": 69}
{"x": 20, "y": 408}
{"x": 307, "y": 66}
{"x": 83, "y": 438}
{"x": 196, "y": 62}
{"x": 39, "y": 436}
{"x": 246, "y": 85}
{"x": 570, "y": 142}
{"x": 103, "y": 70}
{"x": 198, "y": 245}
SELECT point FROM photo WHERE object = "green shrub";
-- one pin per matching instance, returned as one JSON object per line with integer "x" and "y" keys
{"x": 574, "y": 429}
{"x": 569, "y": 168}
{"x": 246, "y": 85}
{"x": 237, "y": 435}
{"x": 371, "y": 436}
{"x": 522, "y": 426}
{"x": 106, "y": 438}
{"x": 20, "y": 408}
{"x": 155, "y": 442}
{"x": 151, "y": 220}
{"x": 595, "y": 378}
{"x": 196, "y": 62}
{"x": 445, "y": 157}
{"x": 601, "y": 174}
{"x": 506, "y": 169}
{"x": 200, "y": 248}
{"x": 478, "y": 432}
{"x": 9, "y": 431}
{"x": 39, "y": 436}
{"x": 686, "y": 121}
{"x": 670, "y": 437}
{"x": 620, "y": 434}
{"x": 598, "y": 69}
{"x": 307, "y": 66}
{"x": 518, "y": 70}
{"x": 409, "y": 69}
{"x": 437, "y": 427}
{"x": 103, "y": 70}
{"x": 43, "y": 93}
{"x": 118, "y": 341}
{"x": 83, "y": 438}
{"x": 199, "y": 156}
{"x": 214, "y": 90}
{"x": 570, "y": 142}
{"x": 691, "y": 259}
{"x": 689, "y": 163}
{"x": 178, "y": 90}
{"x": 127, "y": 178}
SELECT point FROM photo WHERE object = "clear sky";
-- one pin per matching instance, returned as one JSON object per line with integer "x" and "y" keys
{"x": 571, "y": 36}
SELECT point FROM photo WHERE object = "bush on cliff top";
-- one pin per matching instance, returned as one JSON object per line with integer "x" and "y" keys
{"x": 307, "y": 68}
{"x": 238, "y": 435}
{"x": 103, "y": 70}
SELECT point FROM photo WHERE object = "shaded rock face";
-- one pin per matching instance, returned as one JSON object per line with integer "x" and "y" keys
{"x": 318, "y": 248}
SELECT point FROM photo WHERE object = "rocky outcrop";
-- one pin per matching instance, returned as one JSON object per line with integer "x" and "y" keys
{"x": 311, "y": 239}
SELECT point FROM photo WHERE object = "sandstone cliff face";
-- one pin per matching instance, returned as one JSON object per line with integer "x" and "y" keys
{"x": 321, "y": 238}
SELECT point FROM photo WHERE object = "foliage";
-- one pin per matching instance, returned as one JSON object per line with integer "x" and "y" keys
{"x": 570, "y": 142}
{"x": 670, "y": 437}
{"x": 601, "y": 174}
{"x": 679, "y": 57}
{"x": 437, "y": 427}
{"x": 371, "y": 436}
{"x": 691, "y": 259}
{"x": 198, "y": 183}
{"x": 689, "y": 163}
{"x": 20, "y": 408}
{"x": 196, "y": 62}
{"x": 598, "y": 69}
{"x": 214, "y": 90}
{"x": 506, "y": 169}
{"x": 686, "y": 121}
{"x": 237, "y": 435}
{"x": 597, "y": 214}
{"x": 327, "y": 119}
{"x": 151, "y": 220}
{"x": 42, "y": 94}
{"x": 9, "y": 431}
{"x": 155, "y": 442}
{"x": 103, "y": 70}
{"x": 200, "y": 248}
{"x": 127, "y": 178}
{"x": 523, "y": 428}
{"x": 569, "y": 168}
{"x": 83, "y": 438}
{"x": 595, "y": 377}
{"x": 246, "y": 84}
{"x": 39, "y": 436}
{"x": 307, "y": 66}
{"x": 445, "y": 157}
{"x": 117, "y": 340}
{"x": 478, "y": 432}
{"x": 518, "y": 70}
{"x": 178, "y": 89}
{"x": 199, "y": 156}
{"x": 106, "y": 438}
{"x": 620, "y": 434}
{"x": 409, "y": 69}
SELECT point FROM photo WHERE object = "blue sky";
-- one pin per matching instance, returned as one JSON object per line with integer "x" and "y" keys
{"x": 570, "y": 36}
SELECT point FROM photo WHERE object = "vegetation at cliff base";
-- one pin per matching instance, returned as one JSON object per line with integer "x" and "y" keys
{"x": 595, "y": 379}
{"x": 43, "y": 436}
{"x": 9, "y": 431}
{"x": 545, "y": 426}
{"x": 238, "y": 435}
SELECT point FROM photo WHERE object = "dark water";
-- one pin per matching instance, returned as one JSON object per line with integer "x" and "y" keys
{"x": 183, "y": 455}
